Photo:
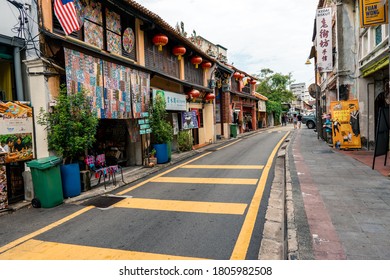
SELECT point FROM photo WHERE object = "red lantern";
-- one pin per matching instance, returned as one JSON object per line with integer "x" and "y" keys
{"x": 194, "y": 93}
{"x": 242, "y": 76}
{"x": 160, "y": 40}
{"x": 196, "y": 60}
{"x": 206, "y": 65}
{"x": 179, "y": 51}
{"x": 253, "y": 82}
{"x": 237, "y": 75}
{"x": 210, "y": 96}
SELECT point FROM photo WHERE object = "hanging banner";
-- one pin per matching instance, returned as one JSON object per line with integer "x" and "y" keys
{"x": 345, "y": 127}
{"x": 372, "y": 12}
{"x": 324, "y": 40}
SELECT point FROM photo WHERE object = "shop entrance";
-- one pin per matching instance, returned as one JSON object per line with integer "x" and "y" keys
{"x": 15, "y": 181}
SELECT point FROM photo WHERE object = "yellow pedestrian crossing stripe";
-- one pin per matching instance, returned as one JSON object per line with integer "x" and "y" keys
{"x": 192, "y": 166}
{"x": 42, "y": 250}
{"x": 183, "y": 206}
{"x": 191, "y": 180}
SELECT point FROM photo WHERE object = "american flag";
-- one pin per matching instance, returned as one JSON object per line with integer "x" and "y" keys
{"x": 66, "y": 13}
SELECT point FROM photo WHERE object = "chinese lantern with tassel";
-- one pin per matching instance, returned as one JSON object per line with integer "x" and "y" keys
{"x": 194, "y": 93}
{"x": 196, "y": 60}
{"x": 160, "y": 40}
{"x": 206, "y": 65}
{"x": 179, "y": 51}
{"x": 237, "y": 75}
{"x": 210, "y": 97}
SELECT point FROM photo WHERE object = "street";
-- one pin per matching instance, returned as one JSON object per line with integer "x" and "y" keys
{"x": 209, "y": 207}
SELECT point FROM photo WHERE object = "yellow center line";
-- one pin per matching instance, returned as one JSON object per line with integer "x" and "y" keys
{"x": 44, "y": 250}
{"x": 183, "y": 206}
{"x": 241, "y": 248}
{"x": 193, "y": 166}
{"x": 229, "y": 145}
{"x": 44, "y": 229}
{"x": 191, "y": 180}
{"x": 159, "y": 175}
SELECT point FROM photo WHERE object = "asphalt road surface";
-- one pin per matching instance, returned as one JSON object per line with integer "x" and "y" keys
{"x": 209, "y": 207}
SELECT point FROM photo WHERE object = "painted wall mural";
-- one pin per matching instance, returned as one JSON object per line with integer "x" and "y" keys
{"x": 116, "y": 91}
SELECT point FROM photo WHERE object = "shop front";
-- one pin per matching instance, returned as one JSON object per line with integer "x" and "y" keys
{"x": 119, "y": 96}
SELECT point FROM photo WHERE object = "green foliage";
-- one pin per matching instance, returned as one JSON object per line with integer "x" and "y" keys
{"x": 184, "y": 141}
{"x": 275, "y": 87}
{"x": 162, "y": 130}
{"x": 71, "y": 126}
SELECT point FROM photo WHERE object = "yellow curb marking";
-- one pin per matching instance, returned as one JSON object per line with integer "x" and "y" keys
{"x": 44, "y": 229}
{"x": 43, "y": 250}
{"x": 159, "y": 175}
{"x": 183, "y": 206}
{"x": 191, "y": 180}
{"x": 257, "y": 167}
{"x": 241, "y": 248}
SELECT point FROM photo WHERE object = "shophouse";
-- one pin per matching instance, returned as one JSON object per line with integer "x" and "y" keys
{"x": 360, "y": 64}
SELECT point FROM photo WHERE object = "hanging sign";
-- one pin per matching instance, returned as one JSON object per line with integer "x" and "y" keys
{"x": 372, "y": 12}
{"x": 324, "y": 40}
{"x": 345, "y": 128}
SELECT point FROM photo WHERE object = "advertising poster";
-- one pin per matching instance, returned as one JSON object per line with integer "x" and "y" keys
{"x": 345, "y": 124}
{"x": 16, "y": 131}
{"x": 189, "y": 120}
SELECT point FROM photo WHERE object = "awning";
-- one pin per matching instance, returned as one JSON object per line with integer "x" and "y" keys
{"x": 260, "y": 96}
{"x": 376, "y": 66}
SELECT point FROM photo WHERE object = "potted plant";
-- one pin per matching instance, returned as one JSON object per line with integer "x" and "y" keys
{"x": 162, "y": 131}
{"x": 71, "y": 128}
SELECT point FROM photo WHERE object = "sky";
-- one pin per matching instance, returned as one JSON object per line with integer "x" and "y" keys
{"x": 274, "y": 34}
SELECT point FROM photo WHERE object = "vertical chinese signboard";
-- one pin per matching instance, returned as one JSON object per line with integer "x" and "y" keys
{"x": 345, "y": 128}
{"x": 16, "y": 137}
{"x": 324, "y": 40}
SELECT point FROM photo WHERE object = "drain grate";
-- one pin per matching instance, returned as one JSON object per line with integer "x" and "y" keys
{"x": 103, "y": 201}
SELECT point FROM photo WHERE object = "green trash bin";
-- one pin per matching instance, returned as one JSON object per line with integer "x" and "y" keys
{"x": 46, "y": 177}
{"x": 233, "y": 130}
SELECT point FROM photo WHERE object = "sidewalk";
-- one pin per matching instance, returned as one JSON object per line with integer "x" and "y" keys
{"x": 341, "y": 207}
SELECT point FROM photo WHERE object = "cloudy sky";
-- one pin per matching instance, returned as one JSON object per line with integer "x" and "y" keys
{"x": 274, "y": 34}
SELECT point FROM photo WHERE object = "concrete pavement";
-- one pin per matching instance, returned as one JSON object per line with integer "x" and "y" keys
{"x": 339, "y": 207}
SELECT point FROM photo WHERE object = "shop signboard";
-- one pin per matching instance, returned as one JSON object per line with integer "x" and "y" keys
{"x": 345, "y": 127}
{"x": 372, "y": 13}
{"x": 173, "y": 101}
{"x": 324, "y": 41}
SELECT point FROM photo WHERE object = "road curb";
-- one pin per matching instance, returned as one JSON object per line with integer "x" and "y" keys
{"x": 276, "y": 234}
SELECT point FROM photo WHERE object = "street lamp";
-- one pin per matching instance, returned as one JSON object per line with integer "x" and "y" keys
{"x": 317, "y": 98}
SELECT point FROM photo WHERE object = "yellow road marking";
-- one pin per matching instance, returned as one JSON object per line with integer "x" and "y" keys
{"x": 183, "y": 206}
{"x": 257, "y": 167}
{"x": 228, "y": 145}
{"x": 159, "y": 175}
{"x": 44, "y": 229}
{"x": 191, "y": 180}
{"x": 43, "y": 250}
{"x": 241, "y": 248}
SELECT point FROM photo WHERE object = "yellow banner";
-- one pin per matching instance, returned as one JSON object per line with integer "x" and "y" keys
{"x": 345, "y": 128}
{"x": 373, "y": 12}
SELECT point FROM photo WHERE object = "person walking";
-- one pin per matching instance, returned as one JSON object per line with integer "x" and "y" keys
{"x": 299, "y": 117}
{"x": 295, "y": 121}
{"x": 284, "y": 120}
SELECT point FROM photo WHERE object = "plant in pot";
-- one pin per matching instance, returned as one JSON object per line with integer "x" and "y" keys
{"x": 162, "y": 131}
{"x": 71, "y": 128}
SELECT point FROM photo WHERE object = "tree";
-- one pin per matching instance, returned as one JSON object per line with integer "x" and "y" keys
{"x": 161, "y": 129}
{"x": 71, "y": 125}
{"x": 275, "y": 87}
